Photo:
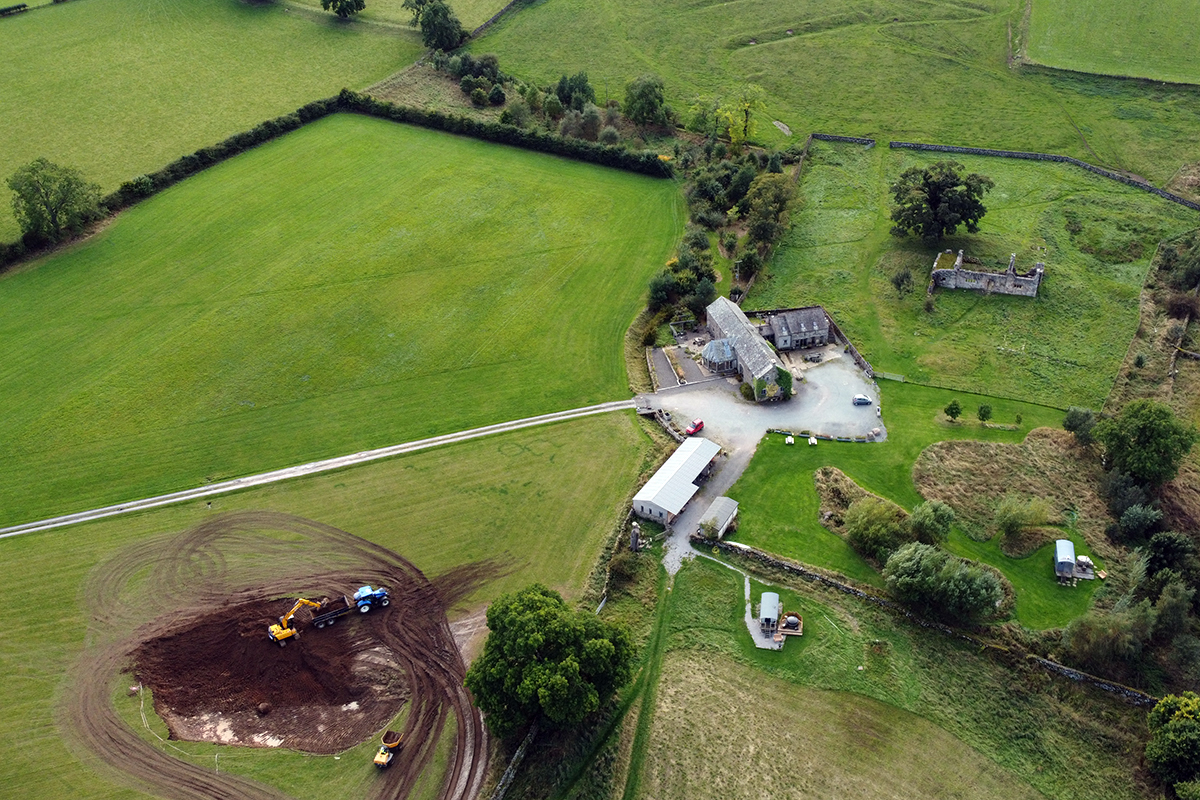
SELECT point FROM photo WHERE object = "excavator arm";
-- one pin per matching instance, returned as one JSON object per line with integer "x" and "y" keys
{"x": 283, "y": 631}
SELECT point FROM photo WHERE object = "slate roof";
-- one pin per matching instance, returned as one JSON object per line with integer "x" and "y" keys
{"x": 671, "y": 487}
{"x": 753, "y": 352}
{"x": 801, "y": 323}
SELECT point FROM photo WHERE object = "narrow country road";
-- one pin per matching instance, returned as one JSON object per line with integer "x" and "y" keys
{"x": 312, "y": 468}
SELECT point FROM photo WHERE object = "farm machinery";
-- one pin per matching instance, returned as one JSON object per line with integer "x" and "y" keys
{"x": 328, "y": 611}
{"x": 387, "y": 750}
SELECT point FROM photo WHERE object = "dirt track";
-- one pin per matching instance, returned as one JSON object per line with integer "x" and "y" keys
{"x": 157, "y": 588}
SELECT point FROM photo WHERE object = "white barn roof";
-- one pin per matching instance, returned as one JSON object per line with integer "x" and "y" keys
{"x": 671, "y": 487}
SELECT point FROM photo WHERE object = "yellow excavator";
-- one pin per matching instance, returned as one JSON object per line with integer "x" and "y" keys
{"x": 283, "y": 631}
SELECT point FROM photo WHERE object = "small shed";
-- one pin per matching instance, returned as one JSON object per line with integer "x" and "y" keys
{"x": 720, "y": 514}
{"x": 1064, "y": 558}
{"x": 768, "y": 611}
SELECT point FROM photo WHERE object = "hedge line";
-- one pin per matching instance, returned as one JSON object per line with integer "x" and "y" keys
{"x": 1104, "y": 173}
{"x": 645, "y": 162}
{"x": 133, "y": 191}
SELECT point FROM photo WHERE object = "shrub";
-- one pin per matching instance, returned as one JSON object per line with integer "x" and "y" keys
{"x": 984, "y": 413}
{"x": 953, "y": 410}
{"x": 932, "y": 580}
{"x": 553, "y": 106}
{"x": 776, "y": 163}
{"x": 930, "y": 522}
{"x": 696, "y": 239}
{"x": 1139, "y": 361}
{"x": 1122, "y": 491}
{"x": 1170, "y": 550}
{"x": 747, "y": 392}
{"x": 590, "y": 122}
{"x": 710, "y": 218}
{"x": 749, "y": 264}
{"x": 1109, "y": 642}
{"x": 479, "y": 97}
{"x": 610, "y": 136}
{"x": 875, "y": 527}
{"x": 517, "y": 113}
{"x": 1173, "y": 752}
{"x": 496, "y": 96}
{"x": 1080, "y": 421}
{"x": 1137, "y": 520}
{"x": 622, "y": 567}
{"x": 902, "y": 281}
{"x": 1013, "y": 515}
{"x": 664, "y": 288}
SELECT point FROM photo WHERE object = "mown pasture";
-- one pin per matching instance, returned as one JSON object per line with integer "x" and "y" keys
{"x": 1141, "y": 40}
{"x": 121, "y": 89}
{"x": 1096, "y": 237}
{"x": 857, "y": 705}
{"x": 355, "y": 284}
{"x": 933, "y": 72}
{"x": 541, "y": 502}
{"x": 779, "y": 505}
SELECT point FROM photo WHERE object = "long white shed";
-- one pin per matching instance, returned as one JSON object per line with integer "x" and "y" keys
{"x": 670, "y": 489}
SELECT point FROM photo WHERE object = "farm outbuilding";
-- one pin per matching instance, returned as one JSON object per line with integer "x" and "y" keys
{"x": 720, "y": 514}
{"x": 670, "y": 489}
{"x": 1064, "y": 558}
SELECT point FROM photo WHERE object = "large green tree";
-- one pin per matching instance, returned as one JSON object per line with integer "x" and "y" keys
{"x": 932, "y": 202}
{"x": 644, "y": 103}
{"x": 1173, "y": 751}
{"x": 1146, "y": 441}
{"x": 440, "y": 27}
{"x": 544, "y": 662}
{"x": 51, "y": 201}
{"x": 343, "y": 8}
{"x": 932, "y": 580}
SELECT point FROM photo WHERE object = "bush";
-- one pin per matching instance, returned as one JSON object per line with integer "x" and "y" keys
{"x": 953, "y": 410}
{"x": 1109, "y": 643}
{"x": 1138, "y": 520}
{"x": 609, "y": 135}
{"x": 747, "y": 392}
{"x": 1080, "y": 421}
{"x": 622, "y": 567}
{"x": 517, "y": 113}
{"x": 1173, "y": 752}
{"x": 553, "y": 106}
{"x": 875, "y": 527}
{"x": 496, "y": 96}
{"x": 930, "y": 522}
{"x": 902, "y": 282}
{"x": 1013, "y": 515}
{"x": 932, "y": 580}
{"x": 750, "y": 264}
{"x": 696, "y": 239}
{"x": 479, "y": 97}
{"x": 1122, "y": 491}
{"x": 985, "y": 412}
{"x": 590, "y": 121}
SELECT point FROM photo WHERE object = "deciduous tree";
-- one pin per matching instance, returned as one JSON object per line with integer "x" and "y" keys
{"x": 544, "y": 662}
{"x": 930, "y": 521}
{"x": 1147, "y": 441}
{"x": 344, "y": 8}
{"x": 51, "y": 201}
{"x": 440, "y": 28}
{"x": 737, "y": 113}
{"x": 953, "y": 410}
{"x": 934, "y": 201}
{"x": 644, "y": 104}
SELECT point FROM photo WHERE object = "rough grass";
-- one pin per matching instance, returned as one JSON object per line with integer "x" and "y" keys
{"x": 777, "y": 739}
{"x": 354, "y": 284}
{"x": 118, "y": 89}
{"x": 936, "y": 71}
{"x": 1015, "y": 725}
{"x": 471, "y": 13}
{"x": 780, "y": 507}
{"x": 1064, "y": 347}
{"x": 503, "y": 497}
{"x": 1142, "y": 40}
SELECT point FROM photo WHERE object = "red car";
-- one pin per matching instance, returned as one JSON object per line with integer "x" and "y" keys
{"x": 696, "y": 426}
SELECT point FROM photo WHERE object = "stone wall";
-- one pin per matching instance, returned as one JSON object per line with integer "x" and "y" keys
{"x": 1007, "y": 282}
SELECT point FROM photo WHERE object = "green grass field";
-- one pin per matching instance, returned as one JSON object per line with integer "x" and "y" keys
{"x": 541, "y": 500}
{"x": 779, "y": 500}
{"x": 860, "y": 703}
{"x": 935, "y": 72}
{"x": 472, "y": 13}
{"x": 355, "y": 284}
{"x": 1095, "y": 236}
{"x": 1142, "y": 39}
{"x": 118, "y": 89}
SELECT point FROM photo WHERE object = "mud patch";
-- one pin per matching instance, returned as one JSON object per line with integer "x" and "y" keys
{"x": 327, "y": 690}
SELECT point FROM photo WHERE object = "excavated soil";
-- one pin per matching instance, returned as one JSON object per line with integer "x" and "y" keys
{"x": 328, "y": 690}
{"x": 188, "y": 614}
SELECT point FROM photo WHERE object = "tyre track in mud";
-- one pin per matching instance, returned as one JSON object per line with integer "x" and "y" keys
{"x": 152, "y": 589}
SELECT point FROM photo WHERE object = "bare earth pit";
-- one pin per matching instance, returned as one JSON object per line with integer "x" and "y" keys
{"x": 326, "y": 691}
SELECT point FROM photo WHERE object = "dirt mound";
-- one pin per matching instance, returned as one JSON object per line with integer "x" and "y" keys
{"x": 327, "y": 690}
{"x": 190, "y": 611}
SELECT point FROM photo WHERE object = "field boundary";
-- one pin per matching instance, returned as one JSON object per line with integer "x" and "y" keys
{"x": 1031, "y": 156}
{"x": 1129, "y": 694}
{"x": 304, "y": 470}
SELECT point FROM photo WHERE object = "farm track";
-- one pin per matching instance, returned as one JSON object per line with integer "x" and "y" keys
{"x": 302, "y": 470}
{"x": 161, "y": 587}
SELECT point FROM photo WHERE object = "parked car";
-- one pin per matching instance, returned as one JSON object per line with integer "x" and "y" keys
{"x": 696, "y": 426}
{"x": 862, "y": 400}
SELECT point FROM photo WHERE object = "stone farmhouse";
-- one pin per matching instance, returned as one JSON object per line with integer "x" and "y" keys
{"x": 741, "y": 347}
